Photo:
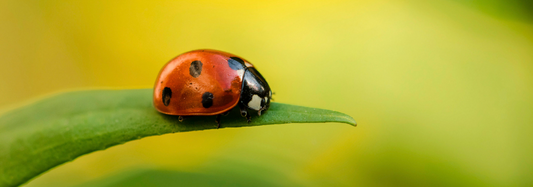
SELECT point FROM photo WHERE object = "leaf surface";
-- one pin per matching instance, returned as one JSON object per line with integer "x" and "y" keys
{"x": 58, "y": 129}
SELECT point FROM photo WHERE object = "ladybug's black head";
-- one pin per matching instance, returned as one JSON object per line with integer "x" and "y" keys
{"x": 256, "y": 93}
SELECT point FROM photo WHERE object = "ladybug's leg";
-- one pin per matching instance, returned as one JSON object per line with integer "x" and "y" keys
{"x": 244, "y": 113}
{"x": 225, "y": 113}
{"x": 217, "y": 120}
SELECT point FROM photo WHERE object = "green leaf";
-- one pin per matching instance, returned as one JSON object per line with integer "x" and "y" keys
{"x": 58, "y": 129}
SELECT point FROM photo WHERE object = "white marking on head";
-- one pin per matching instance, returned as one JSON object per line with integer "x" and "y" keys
{"x": 255, "y": 103}
{"x": 270, "y": 93}
{"x": 266, "y": 99}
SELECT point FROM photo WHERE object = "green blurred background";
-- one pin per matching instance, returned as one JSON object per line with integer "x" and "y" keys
{"x": 441, "y": 90}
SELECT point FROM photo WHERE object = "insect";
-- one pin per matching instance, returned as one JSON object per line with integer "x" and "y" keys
{"x": 210, "y": 82}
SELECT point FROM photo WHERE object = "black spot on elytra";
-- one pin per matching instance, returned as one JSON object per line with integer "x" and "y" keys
{"x": 236, "y": 63}
{"x": 207, "y": 99}
{"x": 196, "y": 68}
{"x": 167, "y": 94}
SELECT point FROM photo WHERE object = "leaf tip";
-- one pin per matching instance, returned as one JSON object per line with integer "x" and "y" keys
{"x": 348, "y": 120}
{"x": 352, "y": 122}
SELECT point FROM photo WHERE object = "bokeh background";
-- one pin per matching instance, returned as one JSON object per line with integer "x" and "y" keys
{"x": 442, "y": 90}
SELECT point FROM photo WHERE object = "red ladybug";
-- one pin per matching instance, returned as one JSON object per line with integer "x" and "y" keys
{"x": 210, "y": 82}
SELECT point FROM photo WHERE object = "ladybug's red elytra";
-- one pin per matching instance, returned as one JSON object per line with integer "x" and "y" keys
{"x": 210, "y": 82}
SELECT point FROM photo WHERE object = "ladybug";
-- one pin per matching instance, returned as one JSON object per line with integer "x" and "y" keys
{"x": 210, "y": 82}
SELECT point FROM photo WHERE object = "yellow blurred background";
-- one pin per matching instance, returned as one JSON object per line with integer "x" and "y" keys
{"x": 441, "y": 90}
